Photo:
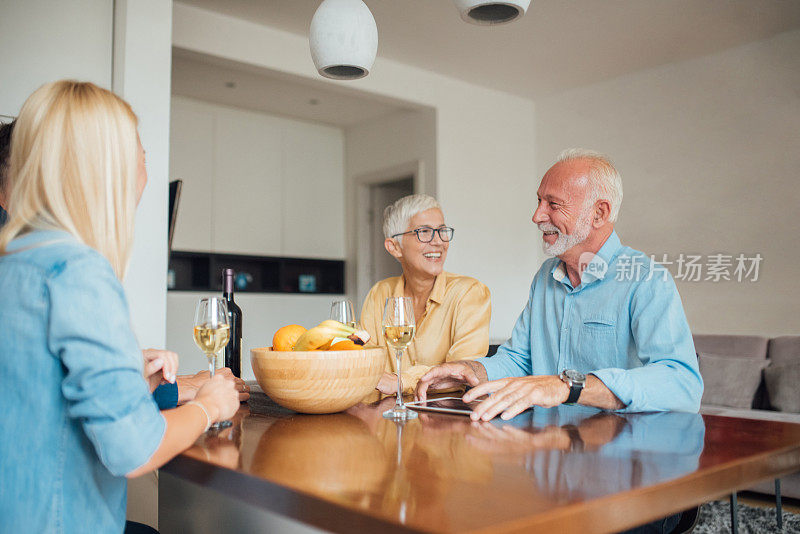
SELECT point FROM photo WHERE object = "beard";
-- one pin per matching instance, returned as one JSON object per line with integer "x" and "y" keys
{"x": 564, "y": 242}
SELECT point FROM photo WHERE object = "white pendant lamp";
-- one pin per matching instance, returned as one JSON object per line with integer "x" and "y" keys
{"x": 343, "y": 39}
{"x": 490, "y": 12}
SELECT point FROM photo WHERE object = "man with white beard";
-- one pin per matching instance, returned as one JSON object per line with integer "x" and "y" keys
{"x": 589, "y": 334}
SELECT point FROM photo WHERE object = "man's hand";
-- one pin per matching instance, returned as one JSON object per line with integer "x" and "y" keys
{"x": 450, "y": 375}
{"x": 160, "y": 366}
{"x": 512, "y": 396}
{"x": 189, "y": 384}
{"x": 387, "y": 384}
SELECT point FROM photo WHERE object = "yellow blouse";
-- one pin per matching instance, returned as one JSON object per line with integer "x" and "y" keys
{"x": 455, "y": 325}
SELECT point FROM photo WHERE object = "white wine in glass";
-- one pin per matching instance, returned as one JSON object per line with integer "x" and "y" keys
{"x": 211, "y": 334}
{"x": 399, "y": 337}
{"x": 398, "y": 329}
{"x": 211, "y": 339}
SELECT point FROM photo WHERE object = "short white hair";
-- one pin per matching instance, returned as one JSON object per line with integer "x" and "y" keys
{"x": 397, "y": 215}
{"x": 604, "y": 178}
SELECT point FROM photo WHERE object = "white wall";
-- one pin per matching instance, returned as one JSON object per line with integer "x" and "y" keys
{"x": 393, "y": 140}
{"x": 484, "y": 149}
{"x": 709, "y": 151}
{"x": 142, "y": 67}
{"x": 47, "y": 40}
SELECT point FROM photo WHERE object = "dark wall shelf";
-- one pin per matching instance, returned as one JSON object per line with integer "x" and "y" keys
{"x": 202, "y": 271}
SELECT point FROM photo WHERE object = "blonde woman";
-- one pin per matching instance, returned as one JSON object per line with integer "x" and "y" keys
{"x": 452, "y": 312}
{"x": 78, "y": 416}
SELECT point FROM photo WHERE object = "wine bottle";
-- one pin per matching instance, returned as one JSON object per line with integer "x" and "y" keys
{"x": 233, "y": 350}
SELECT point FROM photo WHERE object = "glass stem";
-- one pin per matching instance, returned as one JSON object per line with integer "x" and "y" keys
{"x": 399, "y": 403}
{"x": 212, "y": 364}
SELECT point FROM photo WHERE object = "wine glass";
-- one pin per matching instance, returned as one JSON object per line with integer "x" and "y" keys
{"x": 398, "y": 329}
{"x": 342, "y": 311}
{"x": 211, "y": 333}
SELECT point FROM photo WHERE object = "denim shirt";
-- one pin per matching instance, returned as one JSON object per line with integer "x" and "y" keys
{"x": 77, "y": 414}
{"x": 624, "y": 324}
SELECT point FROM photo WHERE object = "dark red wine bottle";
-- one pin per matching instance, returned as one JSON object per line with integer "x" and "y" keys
{"x": 233, "y": 350}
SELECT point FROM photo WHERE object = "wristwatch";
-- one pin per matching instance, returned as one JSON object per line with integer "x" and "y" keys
{"x": 575, "y": 381}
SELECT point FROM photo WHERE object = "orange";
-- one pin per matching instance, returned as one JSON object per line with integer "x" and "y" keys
{"x": 345, "y": 344}
{"x": 286, "y": 337}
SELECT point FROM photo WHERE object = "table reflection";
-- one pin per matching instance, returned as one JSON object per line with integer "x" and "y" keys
{"x": 436, "y": 468}
{"x": 222, "y": 446}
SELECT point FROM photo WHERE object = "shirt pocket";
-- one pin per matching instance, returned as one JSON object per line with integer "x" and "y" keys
{"x": 597, "y": 344}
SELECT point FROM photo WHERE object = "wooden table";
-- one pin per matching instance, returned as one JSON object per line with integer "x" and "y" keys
{"x": 567, "y": 469}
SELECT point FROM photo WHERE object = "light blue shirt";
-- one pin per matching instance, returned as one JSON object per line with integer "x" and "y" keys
{"x": 77, "y": 414}
{"x": 624, "y": 324}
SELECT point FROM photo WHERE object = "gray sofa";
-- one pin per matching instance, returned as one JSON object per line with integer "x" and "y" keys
{"x": 756, "y": 378}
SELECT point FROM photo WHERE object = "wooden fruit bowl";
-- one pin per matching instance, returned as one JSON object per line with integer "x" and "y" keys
{"x": 318, "y": 381}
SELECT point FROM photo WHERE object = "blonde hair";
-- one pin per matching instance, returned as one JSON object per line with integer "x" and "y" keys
{"x": 73, "y": 167}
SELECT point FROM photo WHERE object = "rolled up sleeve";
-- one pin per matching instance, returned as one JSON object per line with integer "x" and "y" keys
{"x": 89, "y": 331}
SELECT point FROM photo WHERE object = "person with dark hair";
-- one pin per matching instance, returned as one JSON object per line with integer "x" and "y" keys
{"x": 5, "y": 147}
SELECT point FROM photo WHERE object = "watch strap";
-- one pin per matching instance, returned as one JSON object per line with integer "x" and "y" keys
{"x": 574, "y": 393}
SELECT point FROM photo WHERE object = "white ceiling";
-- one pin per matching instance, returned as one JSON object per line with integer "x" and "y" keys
{"x": 558, "y": 45}
{"x": 234, "y": 84}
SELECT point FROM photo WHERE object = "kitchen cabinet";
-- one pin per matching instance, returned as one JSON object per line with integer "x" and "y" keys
{"x": 256, "y": 184}
{"x": 247, "y": 214}
{"x": 313, "y": 191}
{"x": 191, "y": 146}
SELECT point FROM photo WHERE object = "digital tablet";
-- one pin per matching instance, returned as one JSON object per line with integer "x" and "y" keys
{"x": 444, "y": 405}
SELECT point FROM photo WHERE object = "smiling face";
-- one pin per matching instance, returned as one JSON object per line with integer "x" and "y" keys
{"x": 561, "y": 213}
{"x": 421, "y": 260}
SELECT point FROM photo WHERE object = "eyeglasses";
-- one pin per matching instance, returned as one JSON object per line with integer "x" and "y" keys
{"x": 425, "y": 234}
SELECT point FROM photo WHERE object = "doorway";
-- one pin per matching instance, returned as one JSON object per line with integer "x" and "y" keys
{"x": 374, "y": 193}
{"x": 381, "y": 264}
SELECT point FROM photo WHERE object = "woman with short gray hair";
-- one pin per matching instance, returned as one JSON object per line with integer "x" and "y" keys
{"x": 452, "y": 312}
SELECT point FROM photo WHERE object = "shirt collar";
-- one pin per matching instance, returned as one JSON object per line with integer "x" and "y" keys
{"x": 437, "y": 293}
{"x": 39, "y": 238}
{"x": 597, "y": 267}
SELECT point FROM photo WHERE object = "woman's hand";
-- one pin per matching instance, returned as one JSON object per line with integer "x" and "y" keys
{"x": 449, "y": 375}
{"x": 160, "y": 366}
{"x": 188, "y": 385}
{"x": 387, "y": 384}
{"x": 219, "y": 397}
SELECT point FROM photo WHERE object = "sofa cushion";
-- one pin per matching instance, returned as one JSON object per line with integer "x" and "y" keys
{"x": 783, "y": 386}
{"x": 730, "y": 380}
{"x": 784, "y": 349}
{"x": 741, "y": 346}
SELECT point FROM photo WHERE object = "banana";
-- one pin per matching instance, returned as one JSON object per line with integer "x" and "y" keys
{"x": 330, "y": 323}
{"x": 320, "y": 337}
